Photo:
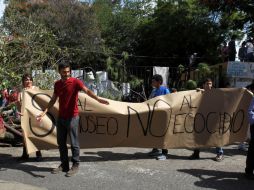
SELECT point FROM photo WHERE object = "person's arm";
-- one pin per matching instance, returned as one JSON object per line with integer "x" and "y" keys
{"x": 50, "y": 105}
{"x": 200, "y": 89}
{"x": 92, "y": 95}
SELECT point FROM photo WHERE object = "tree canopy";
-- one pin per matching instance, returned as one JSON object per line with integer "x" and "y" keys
{"x": 233, "y": 14}
{"x": 105, "y": 34}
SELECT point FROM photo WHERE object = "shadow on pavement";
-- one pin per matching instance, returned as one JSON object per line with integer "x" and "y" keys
{"x": 111, "y": 156}
{"x": 220, "y": 180}
{"x": 9, "y": 162}
{"x": 176, "y": 157}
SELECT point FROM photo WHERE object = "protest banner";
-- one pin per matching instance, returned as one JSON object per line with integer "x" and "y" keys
{"x": 187, "y": 119}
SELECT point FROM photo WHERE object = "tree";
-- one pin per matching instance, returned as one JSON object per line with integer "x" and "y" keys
{"x": 71, "y": 24}
{"x": 204, "y": 70}
{"x": 232, "y": 14}
{"x": 26, "y": 45}
{"x": 176, "y": 30}
{"x": 37, "y": 34}
{"x": 119, "y": 21}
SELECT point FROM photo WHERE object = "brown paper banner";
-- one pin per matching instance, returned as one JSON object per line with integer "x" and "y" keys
{"x": 187, "y": 119}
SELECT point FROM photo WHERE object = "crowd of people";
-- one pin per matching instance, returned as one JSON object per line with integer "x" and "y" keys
{"x": 9, "y": 114}
{"x": 66, "y": 91}
{"x": 245, "y": 53}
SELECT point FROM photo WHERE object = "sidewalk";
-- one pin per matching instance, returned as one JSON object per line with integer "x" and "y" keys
{"x": 127, "y": 168}
{"x": 12, "y": 185}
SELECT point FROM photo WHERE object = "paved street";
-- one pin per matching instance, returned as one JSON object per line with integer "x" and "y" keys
{"x": 126, "y": 168}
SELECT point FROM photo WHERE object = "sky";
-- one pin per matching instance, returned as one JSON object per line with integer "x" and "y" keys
{"x": 2, "y": 7}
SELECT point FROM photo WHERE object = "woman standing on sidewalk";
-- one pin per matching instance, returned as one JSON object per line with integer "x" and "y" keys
{"x": 27, "y": 83}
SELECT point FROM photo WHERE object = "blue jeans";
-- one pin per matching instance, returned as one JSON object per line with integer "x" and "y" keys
{"x": 219, "y": 151}
{"x": 68, "y": 127}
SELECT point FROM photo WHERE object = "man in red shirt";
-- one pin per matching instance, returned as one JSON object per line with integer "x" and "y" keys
{"x": 66, "y": 89}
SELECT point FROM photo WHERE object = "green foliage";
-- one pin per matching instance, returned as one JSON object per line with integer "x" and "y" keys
{"x": 180, "y": 68}
{"x": 204, "y": 71}
{"x": 4, "y": 84}
{"x": 119, "y": 22}
{"x": 114, "y": 68}
{"x": 26, "y": 44}
{"x": 39, "y": 79}
{"x": 56, "y": 28}
{"x": 37, "y": 35}
{"x": 76, "y": 29}
{"x": 178, "y": 29}
{"x": 232, "y": 15}
{"x": 135, "y": 82}
{"x": 111, "y": 95}
{"x": 104, "y": 34}
{"x": 191, "y": 85}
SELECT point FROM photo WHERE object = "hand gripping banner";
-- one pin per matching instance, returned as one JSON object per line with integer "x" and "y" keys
{"x": 187, "y": 119}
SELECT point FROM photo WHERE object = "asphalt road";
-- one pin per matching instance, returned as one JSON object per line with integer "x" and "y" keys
{"x": 126, "y": 168}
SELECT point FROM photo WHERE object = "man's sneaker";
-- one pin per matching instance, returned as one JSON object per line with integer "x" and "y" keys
{"x": 219, "y": 157}
{"x": 194, "y": 156}
{"x": 38, "y": 158}
{"x": 161, "y": 157}
{"x": 155, "y": 152}
{"x": 74, "y": 169}
{"x": 60, "y": 168}
{"x": 242, "y": 147}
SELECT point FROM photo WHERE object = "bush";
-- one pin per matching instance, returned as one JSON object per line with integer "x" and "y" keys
{"x": 191, "y": 85}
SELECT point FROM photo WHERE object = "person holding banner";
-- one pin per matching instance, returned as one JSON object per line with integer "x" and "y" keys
{"x": 66, "y": 90}
{"x": 158, "y": 90}
{"x": 250, "y": 155}
{"x": 208, "y": 85}
{"x": 27, "y": 83}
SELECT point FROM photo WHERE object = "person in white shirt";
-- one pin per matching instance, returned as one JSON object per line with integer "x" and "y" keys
{"x": 250, "y": 51}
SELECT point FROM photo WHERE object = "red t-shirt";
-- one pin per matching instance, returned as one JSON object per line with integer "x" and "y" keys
{"x": 5, "y": 94}
{"x": 13, "y": 97}
{"x": 67, "y": 91}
